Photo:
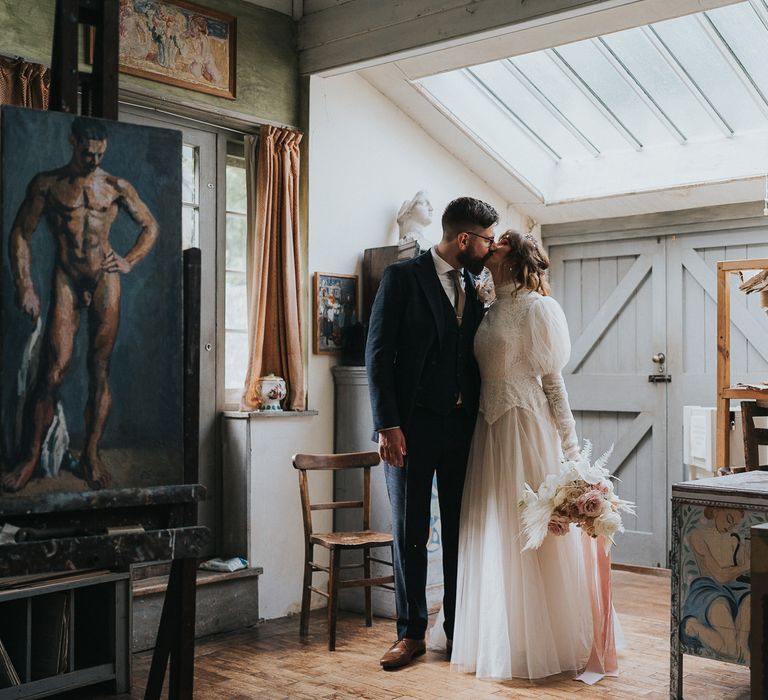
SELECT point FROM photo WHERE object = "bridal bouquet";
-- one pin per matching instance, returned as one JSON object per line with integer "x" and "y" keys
{"x": 581, "y": 493}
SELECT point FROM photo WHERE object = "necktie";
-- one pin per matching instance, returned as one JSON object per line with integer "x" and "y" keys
{"x": 461, "y": 297}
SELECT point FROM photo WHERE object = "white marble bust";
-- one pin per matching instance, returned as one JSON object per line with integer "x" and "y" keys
{"x": 414, "y": 216}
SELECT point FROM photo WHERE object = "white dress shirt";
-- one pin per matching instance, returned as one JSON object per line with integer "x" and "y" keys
{"x": 444, "y": 270}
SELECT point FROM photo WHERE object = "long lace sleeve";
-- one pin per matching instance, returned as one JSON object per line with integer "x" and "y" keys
{"x": 557, "y": 396}
{"x": 550, "y": 352}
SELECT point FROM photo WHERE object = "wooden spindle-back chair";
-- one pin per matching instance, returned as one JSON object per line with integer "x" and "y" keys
{"x": 365, "y": 539}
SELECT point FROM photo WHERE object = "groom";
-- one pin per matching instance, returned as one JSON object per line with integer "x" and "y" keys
{"x": 425, "y": 386}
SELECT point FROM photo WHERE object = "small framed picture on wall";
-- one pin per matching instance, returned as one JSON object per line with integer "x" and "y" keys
{"x": 335, "y": 310}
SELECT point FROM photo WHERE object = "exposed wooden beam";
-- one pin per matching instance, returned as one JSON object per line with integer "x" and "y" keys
{"x": 336, "y": 36}
{"x": 364, "y": 29}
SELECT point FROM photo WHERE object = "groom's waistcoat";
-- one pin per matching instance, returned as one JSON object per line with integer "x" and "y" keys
{"x": 447, "y": 373}
{"x": 416, "y": 352}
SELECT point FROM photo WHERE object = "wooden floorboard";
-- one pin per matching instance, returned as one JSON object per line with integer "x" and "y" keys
{"x": 270, "y": 662}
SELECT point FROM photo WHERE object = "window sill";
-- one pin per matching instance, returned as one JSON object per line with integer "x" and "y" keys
{"x": 268, "y": 414}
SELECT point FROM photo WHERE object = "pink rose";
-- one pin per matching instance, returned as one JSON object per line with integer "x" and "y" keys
{"x": 590, "y": 503}
{"x": 603, "y": 488}
{"x": 558, "y": 525}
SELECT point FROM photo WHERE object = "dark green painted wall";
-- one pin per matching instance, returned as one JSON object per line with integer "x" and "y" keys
{"x": 267, "y": 59}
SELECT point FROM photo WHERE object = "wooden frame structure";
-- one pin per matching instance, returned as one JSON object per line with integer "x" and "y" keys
{"x": 79, "y": 539}
{"x": 98, "y": 89}
{"x": 726, "y": 392}
{"x": 74, "y": 528}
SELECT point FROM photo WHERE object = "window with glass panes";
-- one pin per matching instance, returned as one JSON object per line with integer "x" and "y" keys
{"x": 190, "y": 199}
{"x": 236, "y": 300}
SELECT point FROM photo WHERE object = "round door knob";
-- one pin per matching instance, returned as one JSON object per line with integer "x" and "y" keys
{"x": 659, "y": 358}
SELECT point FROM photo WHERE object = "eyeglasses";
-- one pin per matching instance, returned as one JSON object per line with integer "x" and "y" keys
{"x": 488, "y": 240}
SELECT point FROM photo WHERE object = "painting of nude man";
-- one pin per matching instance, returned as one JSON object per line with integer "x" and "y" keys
{"x": 90, "y": 304}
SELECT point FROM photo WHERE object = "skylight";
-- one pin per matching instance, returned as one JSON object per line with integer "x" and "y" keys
{"x": 676, "y": 103}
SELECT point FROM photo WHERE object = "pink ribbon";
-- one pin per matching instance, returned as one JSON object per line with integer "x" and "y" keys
{"x": 602, "y": 659}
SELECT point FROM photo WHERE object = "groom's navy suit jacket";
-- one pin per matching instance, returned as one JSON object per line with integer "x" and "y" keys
{"x": 408, "y": 335}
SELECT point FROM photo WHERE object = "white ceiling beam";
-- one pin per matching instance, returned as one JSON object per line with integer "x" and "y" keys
{"x": 693, "y": 87}
{"x": 550, "y": 106}
{"x": 630, "y": 79}
{"x": 594, "y": 98}
{"x": 711, "y": 30}
{"x": 504, "y": 178}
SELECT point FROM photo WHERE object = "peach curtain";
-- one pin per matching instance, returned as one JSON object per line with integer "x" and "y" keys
{"x": 273, "y": 269}
{"x": 24, "y": 84}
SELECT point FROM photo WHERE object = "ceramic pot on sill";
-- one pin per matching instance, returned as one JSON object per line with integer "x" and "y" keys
{"x": 271, "y": 390}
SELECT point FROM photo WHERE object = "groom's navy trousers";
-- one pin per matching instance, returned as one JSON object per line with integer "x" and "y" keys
{"x": 423, "y": 378}
{"x": 439, "y": 445}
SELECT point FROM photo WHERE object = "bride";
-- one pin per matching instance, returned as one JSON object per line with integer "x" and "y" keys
{"x": 519, "y": 614}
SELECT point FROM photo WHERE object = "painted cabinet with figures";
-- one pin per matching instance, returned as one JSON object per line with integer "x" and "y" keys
{"x": 710, "y": 560}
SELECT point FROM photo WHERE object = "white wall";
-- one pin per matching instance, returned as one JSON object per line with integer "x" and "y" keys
{"x": 365, "y": 158}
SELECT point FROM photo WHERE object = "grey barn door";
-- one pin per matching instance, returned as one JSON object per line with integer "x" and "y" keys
{"x": 692, "y": 284}
{"x": 614, "y": 297}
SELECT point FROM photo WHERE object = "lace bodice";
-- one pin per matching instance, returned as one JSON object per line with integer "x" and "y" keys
{"x": 521, "y": 347}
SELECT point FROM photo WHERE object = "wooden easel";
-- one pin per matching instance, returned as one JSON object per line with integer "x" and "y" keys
{"x": 99, "y": 88}
{"x": 168, "y": 514}
{"x": 726, "y": 392}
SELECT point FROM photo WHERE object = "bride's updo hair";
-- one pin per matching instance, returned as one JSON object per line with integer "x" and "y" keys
{"x": 526, "y": 263}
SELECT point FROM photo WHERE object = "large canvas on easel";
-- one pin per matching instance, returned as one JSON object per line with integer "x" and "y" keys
{"x": 91, "y": 363}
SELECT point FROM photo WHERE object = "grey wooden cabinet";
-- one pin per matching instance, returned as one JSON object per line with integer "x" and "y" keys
{"x": 66, "y": 632}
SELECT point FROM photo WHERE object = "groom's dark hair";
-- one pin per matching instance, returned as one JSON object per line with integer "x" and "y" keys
{"x": 467, "y": 213}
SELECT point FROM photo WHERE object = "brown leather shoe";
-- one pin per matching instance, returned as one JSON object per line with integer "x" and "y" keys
{"x": 402, "y": 652}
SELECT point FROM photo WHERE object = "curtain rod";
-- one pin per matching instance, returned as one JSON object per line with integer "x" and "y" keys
{"x": 257, "y": 123}
{"x": 184, "y": 117}
{"x": 16, "y": 57}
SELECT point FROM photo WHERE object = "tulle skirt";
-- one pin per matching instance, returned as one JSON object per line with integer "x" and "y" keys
{"x": 518, "y": 615}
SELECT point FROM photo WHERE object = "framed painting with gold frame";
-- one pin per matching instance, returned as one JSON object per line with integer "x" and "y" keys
{"x": 178, "y": 43}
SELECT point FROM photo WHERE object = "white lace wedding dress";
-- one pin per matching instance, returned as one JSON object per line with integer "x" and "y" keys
{"x": 524, "y": 615}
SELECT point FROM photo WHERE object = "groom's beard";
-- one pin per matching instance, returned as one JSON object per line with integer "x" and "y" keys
{"x": 472, "y": 262}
